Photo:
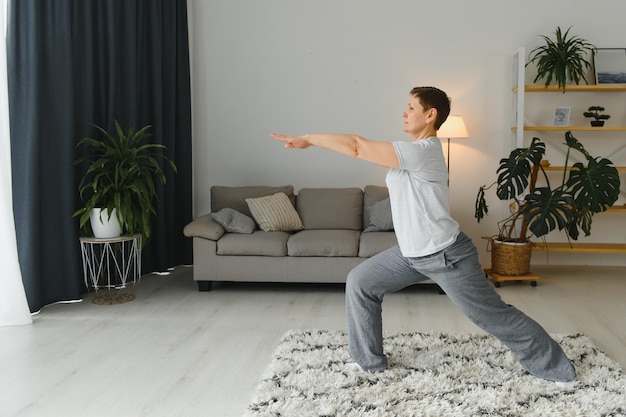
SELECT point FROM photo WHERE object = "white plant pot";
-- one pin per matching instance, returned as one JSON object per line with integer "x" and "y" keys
{"x": 102, "y": 226}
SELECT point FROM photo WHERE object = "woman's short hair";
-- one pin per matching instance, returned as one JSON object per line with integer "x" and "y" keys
{"x": 431, "y": 97}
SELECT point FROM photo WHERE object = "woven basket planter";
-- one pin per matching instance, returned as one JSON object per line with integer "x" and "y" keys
{"x": 510, "y": 258}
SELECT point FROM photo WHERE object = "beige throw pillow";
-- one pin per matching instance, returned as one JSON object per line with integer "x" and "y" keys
{"x": 274, "y": 213}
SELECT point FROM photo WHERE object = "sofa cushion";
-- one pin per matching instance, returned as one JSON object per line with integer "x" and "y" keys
{"x": 372, "y": 194}
{"x": 205, "y": 227}
{"x": 274, "y": 213}
{"x": 235, "y": 197}
{"x": 258, "y": 243}
{"x": 375, "y": 242}
{"x": 324, "y": 243}
{"x": 331, "y": 208}
{"x": 379, "y": 215}
{"x": 233, "y": 221}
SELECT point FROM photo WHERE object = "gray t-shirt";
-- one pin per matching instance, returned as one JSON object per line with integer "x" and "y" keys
{"x": 418, "y": 192}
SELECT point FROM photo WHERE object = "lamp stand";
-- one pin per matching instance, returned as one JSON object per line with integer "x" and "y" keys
{"x": 448, "y": 164}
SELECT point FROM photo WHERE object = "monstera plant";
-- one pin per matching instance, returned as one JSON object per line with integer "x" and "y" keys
{"x": 585, "y": 189}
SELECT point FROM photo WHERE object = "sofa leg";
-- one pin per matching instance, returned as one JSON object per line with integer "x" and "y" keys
{"x": 204, "y": 285}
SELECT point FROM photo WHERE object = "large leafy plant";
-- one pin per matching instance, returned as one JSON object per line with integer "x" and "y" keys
{"x": 584, "y": 191}
{"x": 120, "y": 173}
{"x": 562, "y": 58}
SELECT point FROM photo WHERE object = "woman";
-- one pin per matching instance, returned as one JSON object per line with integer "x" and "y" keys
{"x": 430, "y": 245}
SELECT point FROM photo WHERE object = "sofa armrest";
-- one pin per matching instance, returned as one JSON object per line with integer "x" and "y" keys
{"x": 204, "y": 226}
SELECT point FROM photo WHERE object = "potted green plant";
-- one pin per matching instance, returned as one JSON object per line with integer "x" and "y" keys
{"x": 598, "y": 118}
{"x": 562, "y": 58}
{"x": 119, "y": 178}
{"x": 585, "y": 189}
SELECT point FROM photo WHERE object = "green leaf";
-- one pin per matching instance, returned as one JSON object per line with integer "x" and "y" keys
{"x": 596, "y": 186}
{"x": 482, "y": 208}
{"x": 514, "y": 172}
{"x": 573, "y": 143}
{"x": 546, "y": 210}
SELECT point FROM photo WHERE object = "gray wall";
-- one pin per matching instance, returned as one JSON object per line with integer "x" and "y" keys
{"x": 295, "y": 67}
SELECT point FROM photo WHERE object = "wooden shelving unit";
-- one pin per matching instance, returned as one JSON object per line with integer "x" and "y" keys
{"x": 580, "y": 247}
{"x": 560, "y": 168}
{"x": 617, "y": 209}
{"x": 518, "y": 129}
{"x": 575, "y": 247}
{"x": 572, "y": 128}
{"x": 588, "y": 88}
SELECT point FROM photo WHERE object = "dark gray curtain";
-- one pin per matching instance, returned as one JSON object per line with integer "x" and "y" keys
{"x": 74, "y": 63}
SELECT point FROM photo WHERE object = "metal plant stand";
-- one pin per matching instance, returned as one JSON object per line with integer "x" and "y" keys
{"x": 112, "y": 267}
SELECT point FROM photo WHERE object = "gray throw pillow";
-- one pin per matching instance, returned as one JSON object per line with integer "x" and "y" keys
{"x": 233, "y": 221}
{"x": 380, "y": 217}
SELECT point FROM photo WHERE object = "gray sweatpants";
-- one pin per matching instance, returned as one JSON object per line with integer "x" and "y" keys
{"x": 457, "y": 271}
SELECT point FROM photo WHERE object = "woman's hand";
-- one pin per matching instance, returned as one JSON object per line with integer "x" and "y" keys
{"x": 297, "y": 142}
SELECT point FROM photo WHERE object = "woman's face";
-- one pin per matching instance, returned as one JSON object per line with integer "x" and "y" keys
{"x": 415, "y": 117}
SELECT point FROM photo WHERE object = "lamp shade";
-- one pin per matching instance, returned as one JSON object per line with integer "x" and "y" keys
{"x": 453, "y": 127}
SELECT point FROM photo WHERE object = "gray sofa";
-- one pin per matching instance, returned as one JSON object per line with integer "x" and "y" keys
{"x": 339, "y": 228}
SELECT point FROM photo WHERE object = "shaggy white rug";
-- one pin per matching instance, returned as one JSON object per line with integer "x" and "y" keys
{"x": 431, "y": 374}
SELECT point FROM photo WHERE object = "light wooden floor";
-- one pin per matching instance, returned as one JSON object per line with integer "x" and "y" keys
{"x": 177, "y": 352}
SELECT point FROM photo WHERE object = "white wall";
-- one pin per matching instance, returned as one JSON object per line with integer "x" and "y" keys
{"x": 295, "y": 67}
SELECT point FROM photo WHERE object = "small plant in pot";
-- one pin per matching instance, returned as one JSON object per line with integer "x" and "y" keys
{"x": 584, "y": 190}
{"x": 119, "y": 180}
{"x": 562, "y": 58}
{"x": 598, "y": 118}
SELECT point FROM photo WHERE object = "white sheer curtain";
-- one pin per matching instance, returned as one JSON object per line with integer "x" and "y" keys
{"x": 13, "y": 306}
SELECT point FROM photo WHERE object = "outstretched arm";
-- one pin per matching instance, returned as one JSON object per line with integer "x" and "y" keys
{"x": 380, "y": 153}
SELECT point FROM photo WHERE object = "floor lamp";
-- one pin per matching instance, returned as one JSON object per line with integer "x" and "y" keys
{"x": 452, "y": 128}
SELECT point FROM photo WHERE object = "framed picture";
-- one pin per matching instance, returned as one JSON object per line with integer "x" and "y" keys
{"x": 610, "y": 65}
{"x": 561, "y": 116}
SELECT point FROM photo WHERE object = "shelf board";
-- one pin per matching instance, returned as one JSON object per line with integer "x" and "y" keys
{"x": 580, "y": 247}
{"x": 538, "y": 88}
{"x": 574, "y": 128}
{"x": 560, "y": 168}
